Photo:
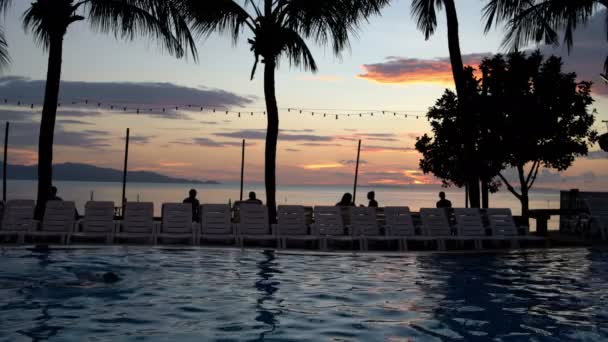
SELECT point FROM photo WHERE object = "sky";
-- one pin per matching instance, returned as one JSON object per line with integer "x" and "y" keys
{"x": 389, "y": 68}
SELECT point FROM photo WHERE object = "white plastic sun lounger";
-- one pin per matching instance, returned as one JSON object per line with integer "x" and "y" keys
{"x": 292, "y": 225}
{"x": 177, "y": 223}
{"x": 400, "y": 225}
{"x": 254, "y": 224}
{"x": 18, "y": 219}
{"x": 503, "y": 226}
{"x": 470, "y": 226}
{"x": 435, "y": 225}
{"x": 329, "y": 226}
{"x": 98, "y": 222}
{"x": 138, "y": 222}
{"x": 58, "y": 221}
{"x": 598, "y": 212}
{"x": 364, "y": 224}
{"x": 215, "y": 223}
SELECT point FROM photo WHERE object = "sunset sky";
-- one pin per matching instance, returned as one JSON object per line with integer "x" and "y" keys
{"x": 390, "y": 68}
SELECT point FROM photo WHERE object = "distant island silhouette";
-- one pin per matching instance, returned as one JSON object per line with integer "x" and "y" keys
{"x": 91, "y": 173}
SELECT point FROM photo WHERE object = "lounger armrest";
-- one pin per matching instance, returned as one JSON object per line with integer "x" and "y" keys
{"x": 196, "y": 228}
{"x": 314, "y": 230}
{"x": 116, "y": 227}
{"x": 236, "y": 227}
{"x": 274, "y": 229}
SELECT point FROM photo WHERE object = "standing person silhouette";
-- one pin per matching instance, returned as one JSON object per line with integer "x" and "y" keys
{"x": 196, "y": 205}
{"x": 371, "y": 196}
{"x": 443, "y": 203}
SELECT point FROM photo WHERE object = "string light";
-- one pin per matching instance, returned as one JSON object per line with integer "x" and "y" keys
{"x": 337, "y": 113}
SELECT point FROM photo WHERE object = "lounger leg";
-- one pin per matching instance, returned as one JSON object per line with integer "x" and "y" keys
{"x": 403, "y": 245}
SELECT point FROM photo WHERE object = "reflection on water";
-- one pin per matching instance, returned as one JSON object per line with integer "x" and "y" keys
{"x": 221, "y": 295}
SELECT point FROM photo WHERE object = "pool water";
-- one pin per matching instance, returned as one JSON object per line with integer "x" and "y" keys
{"x": 232, "y": 295}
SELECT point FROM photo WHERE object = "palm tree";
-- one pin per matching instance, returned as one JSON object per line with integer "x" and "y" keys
{"x": 4, "y": 58}
{"x": 49, "y": 20}
{"x": 425, "y": 13}
{"x": 279, "y": 28}
{"x": 540, "y": 20}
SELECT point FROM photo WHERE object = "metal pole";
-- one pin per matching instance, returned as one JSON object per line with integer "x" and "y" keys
{"x": 242, "y": 168}
{"x": 466, "y": 195}
{"x": 5, "y": 162}
{"x": 356, "y": 172}
{"x": 124, "y": 172}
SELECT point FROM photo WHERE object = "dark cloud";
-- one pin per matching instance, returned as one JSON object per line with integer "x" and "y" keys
{"x": 381, "y": 148}
{"x": 133, "y": 95}
{"x": 292, "y": 150}
{"x": 17, "y": 115}
{"x": 389, "y": 137}
{"x": 209, "y": 122}
{"x": 25, "y": 134}
{"x": 72, "y": 122}
{"x": 312, "y": 144}
{"x": 414, "y": 70}
{"x": 597, "y": 155}
{"x": 352, "y": 162}
{"x": 260, "y": 134}
{"x": 206, "y": 142}
{"x": 140, "y": 139}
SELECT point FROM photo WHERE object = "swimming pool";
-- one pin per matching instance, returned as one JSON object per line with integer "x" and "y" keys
{"x": 232, "y": 295}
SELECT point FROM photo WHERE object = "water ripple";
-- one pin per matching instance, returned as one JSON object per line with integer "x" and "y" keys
{"x": 231, "y": 295}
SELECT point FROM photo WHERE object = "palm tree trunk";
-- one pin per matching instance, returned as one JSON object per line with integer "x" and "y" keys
{"x": 47, "y": 123}
{"x": 272, "y": 134}
{"x": 459, "y": 80}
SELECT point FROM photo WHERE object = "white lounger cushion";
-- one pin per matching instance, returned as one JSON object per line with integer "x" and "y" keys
{"x": 291, "y": 220}
{"x": 59, "y": 216}
{"x": 328, "y": 220}
{"x": 434, "y": 222}
{"x": 177, "y": 218}
{"x": 469, "y": 222}
{"x": 363, "y": 221}
{"x": 215, "y": 220}
{"x": 98, "y": 217}
{"x": 18, "y": 216}
{"x": 138, "y": 218}
{"x": 399, "y": 221}
{"x": 501, "y": 222}
{"x": 254, "y": 220}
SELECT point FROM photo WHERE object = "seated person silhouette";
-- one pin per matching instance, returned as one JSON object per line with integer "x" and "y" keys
{"x": 371, "y": 196}
{"x": 253, "y": 199}
{"x": 346, "y": 201}
{"x": 443, "y": 203}
{"x": 196, "y": 205}
{"x": 52, "y": 195}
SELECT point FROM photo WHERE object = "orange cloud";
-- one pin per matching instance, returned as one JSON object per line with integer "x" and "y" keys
{"x": 174, "y": 164}
{"x": 321, "y": 166}
{"x": 399, "y": 70}
{"x": 22, "y": 156}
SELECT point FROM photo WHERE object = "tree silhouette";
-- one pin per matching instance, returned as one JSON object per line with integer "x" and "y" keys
{"x": 49, "y": 21}
{"x": 425, "y": 13}
{"x": 540, "y": 20}
{"x": 4, "y": 57}
{"x": 280, "y": 28}
{"x": 529, "y": 115}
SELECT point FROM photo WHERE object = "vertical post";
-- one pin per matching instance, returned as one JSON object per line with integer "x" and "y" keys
{"x": 356, "y": 172}
{"x": 466, "y": 195}
{"x": 124, "y": 172}
{"x": 242, "y": 168}
{"x": 5, "y": 162}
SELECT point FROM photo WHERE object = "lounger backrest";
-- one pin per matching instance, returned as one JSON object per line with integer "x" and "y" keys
{"x": 363, "y": 221}
{"x": 501, "y": 222}
{"x": 328, "y": 220}
{"x": 59, "y": 216}
{"x": 598, "y": 209}
{"x": 434, "y": 222}
{"x": 215, "y": 219}
{"x": 177, "y": 218}
{"x": 292, "y": 220}
{"x": 18, "y": 215}
{"x": 399, "y": 221}
{"x": 254, "y": 219}
{"x": 98, "y": 217}
{"x": 138, "y": 217}
{"x": 469, "y": 222}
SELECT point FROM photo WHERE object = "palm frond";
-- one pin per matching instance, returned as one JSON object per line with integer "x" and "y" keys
{"x": 425, "y": 14}
{"x": 157, "y": 19}
{"x": 4, "y": 57}
{"x": 222, "y": 16}
{"x": 4, "y": 5}
{"x": 297, "y": 51}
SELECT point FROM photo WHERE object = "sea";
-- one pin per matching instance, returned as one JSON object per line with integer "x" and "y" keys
{"x": 415, "y": 196}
